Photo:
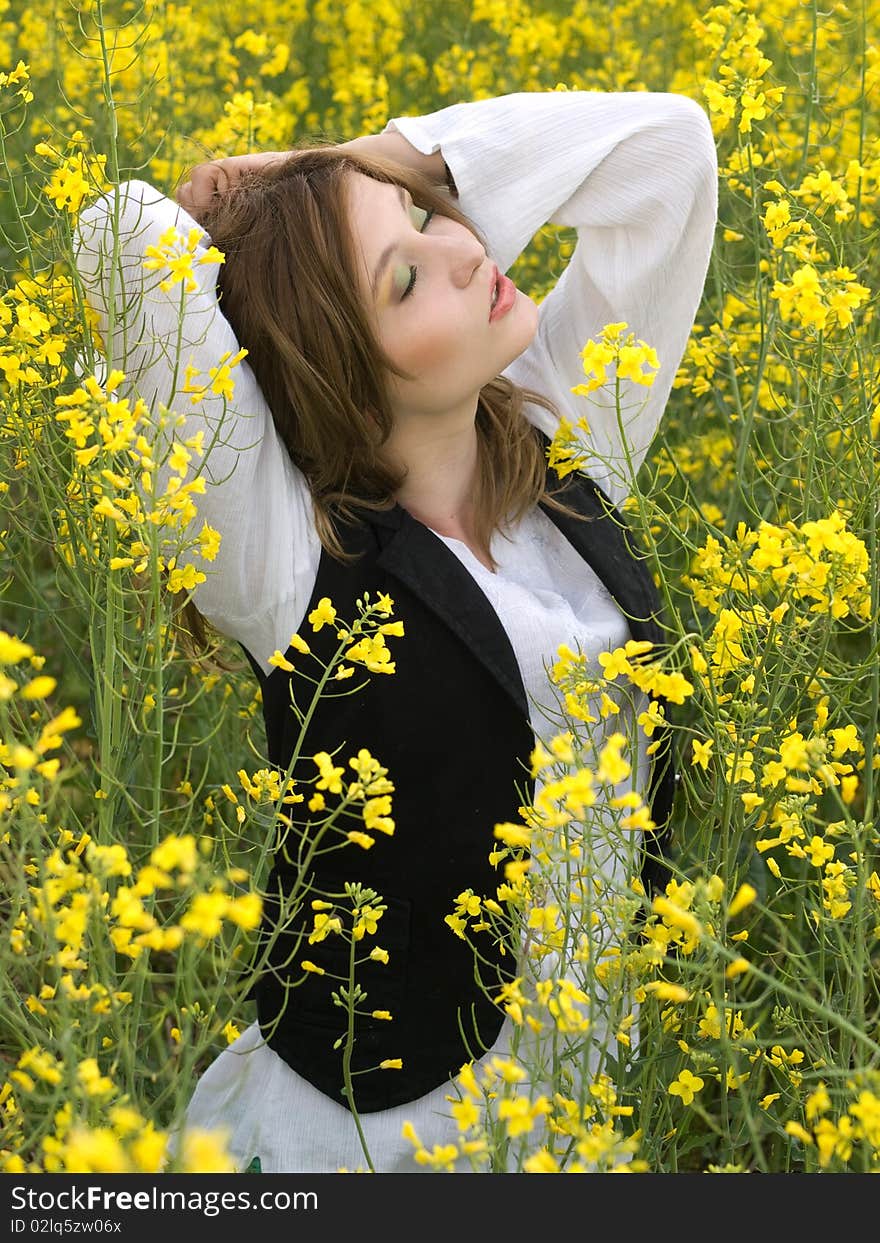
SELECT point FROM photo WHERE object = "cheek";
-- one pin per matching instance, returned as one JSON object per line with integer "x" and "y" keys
{"x": 435, "y": 342}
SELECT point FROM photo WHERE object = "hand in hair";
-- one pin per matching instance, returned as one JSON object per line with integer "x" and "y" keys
{"x": 391, "y": 145}
{"x": 214, "y": 178}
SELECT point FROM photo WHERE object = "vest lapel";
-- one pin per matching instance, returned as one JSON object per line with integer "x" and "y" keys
{"x": 415, "y": 555}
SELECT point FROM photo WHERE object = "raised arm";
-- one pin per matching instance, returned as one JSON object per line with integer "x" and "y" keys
{"x": 215, "y": 177}
{"x": 635, "y": 174}
{"x": 168, "y": 340}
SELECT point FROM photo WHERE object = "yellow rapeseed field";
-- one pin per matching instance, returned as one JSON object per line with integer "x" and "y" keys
{"x": 137, "y": 809}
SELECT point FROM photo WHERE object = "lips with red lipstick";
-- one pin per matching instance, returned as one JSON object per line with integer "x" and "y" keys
{"x": 502, "y": 295}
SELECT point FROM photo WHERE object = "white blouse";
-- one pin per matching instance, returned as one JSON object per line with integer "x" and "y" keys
{"x": 635, "y": 174}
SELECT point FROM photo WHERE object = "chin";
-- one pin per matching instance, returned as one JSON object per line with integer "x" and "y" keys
{"x": 528, "y": 322}
{"x": 532, "y": 304}
{"x": 524, "y": 311}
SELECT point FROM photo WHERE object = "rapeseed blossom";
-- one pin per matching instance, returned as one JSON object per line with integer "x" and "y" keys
{"x": 755, "y": 503}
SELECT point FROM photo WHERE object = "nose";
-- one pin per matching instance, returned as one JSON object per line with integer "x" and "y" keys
{"x": 467, "y": 255}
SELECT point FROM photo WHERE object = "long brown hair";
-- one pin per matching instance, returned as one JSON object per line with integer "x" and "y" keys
{"x": 289, "y": 288}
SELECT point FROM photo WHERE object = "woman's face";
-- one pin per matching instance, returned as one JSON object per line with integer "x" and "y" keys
{"x": 428, "y": 283}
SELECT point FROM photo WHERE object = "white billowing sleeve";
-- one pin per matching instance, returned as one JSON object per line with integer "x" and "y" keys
{"x": 264, "y": 572}
{"x": 635, "y": 173}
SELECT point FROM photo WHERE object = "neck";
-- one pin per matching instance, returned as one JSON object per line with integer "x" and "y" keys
{"x": 440, "y": 461}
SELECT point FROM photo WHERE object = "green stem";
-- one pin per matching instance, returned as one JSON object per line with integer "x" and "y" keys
{"x": 347, "y": 1055}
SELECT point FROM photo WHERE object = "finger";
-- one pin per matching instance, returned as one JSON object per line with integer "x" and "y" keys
{"x": 206, "y": 182}
{"x": 187, "y": 199}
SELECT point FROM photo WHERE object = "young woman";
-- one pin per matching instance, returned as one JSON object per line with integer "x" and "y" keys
{"x": 388, "y": 433}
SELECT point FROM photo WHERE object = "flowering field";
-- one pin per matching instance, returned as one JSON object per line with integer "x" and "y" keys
{"x": 137, "y": 807}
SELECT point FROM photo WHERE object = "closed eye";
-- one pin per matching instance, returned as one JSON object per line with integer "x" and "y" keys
{"x": 413, "y": 272}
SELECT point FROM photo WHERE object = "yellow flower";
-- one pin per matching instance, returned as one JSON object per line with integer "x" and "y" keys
{"x": 799, "y": 1132}
{"x": 372, "y": 651}
{"x": 94, "y": 1150}
{"x": 753, "y": 109}
{"x": 819, "y": 852}
{"x": 676, "y": 916}
{"x": 665, "y": 991}
{"x": 686, "y": 1086}
{"x": 331, "y": 777}
{"x": 205, "y": 1152}
{"x": 74, "y": 180}
{"x": 209, "y": 542}
{"x": 650, "y": 720}
{"x": 510, "y": 1071}
{"x": 324, "y": 925}
{"x": 631, "y": 361}
{"x": 185, "y": 578}
{"x": 323, "y": 614}
{"x": 222, "y": 382}
{"x": 702, "y": 752}
{"x": 12, "y": 650}
{"x": 612, "y": 765}
{"x": 38, "y": 688}
{"x": 41, "y": 1064}
{"x": 744, "y": 897}
{"x": 719, "y": 102}
{"x": 176, "y": 254}
{"x": 245, "y": 911}
{"x": 176, "y": 853}
{"x": 205, "y": 914}
{"x": 520, "y": 1114}
{"x": 614, "y": 663}
{"x": 541, "y": 1162}
{"x": 516, "y": 835}
{"x": 596, "y": 356}
{"x": 92, "y": 1080}
{"x": 366, "y": 921}
{"x": 465, "y": 1113}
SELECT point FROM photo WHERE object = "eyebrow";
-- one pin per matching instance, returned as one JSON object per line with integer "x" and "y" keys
{"x": 388, "y": 251}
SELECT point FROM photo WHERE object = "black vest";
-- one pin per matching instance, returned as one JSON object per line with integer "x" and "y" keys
{"x": 452, "y": 727}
